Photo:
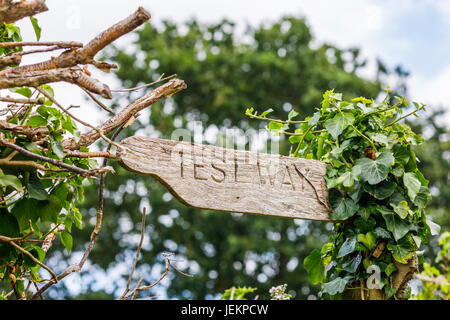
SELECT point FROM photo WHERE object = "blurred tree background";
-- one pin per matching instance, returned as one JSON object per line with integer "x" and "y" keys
{"x": 273, "y": 66}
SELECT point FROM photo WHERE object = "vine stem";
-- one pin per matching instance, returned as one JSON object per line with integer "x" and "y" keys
{"x": 405, "y": 116}
{"x": 301, "y": 141}
{"x": 365, "y": 137}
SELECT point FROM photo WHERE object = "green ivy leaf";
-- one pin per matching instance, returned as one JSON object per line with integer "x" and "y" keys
{"x": 412, "y": 184}
{"x": 402, "y": 209}
{"x": 375, "y": 171}
{"x": 422, "y": 197}
{"x": 265, "y": 113}
{"x": 368, "y": 239}
{"x": 390, "y": 268}
{"x": 382, "y": 233}
{"x": 343, "y": 208}
{"x": 336, "y": 125}
{"x": 336, "y": 286}
{"x": 401, "y": 154}
{"x": 381, "y": 190}
{"x": 394, "y": 223}
{"x": 347, "y": 247}
{"x": 400, "y": 253}
{"x": 314, "y": 266}
{"x": 352, "y": 265}
{"x": 434, "y": 227}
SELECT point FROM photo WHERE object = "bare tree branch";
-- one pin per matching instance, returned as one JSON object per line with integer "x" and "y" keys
{"x": 88, "y": 138}
{"x": 59, "y": 44}
{"x": 10, "y": 60}
{"x": 85, "y": 173}
{"x": 36, "y": 78}
{"x": 12, "y": 11}
{"x": 86, "y": 54}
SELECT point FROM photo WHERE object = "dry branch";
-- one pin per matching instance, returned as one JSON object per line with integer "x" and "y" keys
{"x": 59, "y": 44}
{"x": 36, "y": 78}
{"x": 9, "y": 60}
{"x": 33, "y": 133}
{"x": 22, "y": 101}
{"x": 85, "y": 173}
{"x": 12, "y": 11}
{"x": 132, "y": 109}
{"x": 86, "y": 54}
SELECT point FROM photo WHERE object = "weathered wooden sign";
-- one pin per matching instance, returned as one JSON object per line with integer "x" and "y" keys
{"x": 210, "y": 177}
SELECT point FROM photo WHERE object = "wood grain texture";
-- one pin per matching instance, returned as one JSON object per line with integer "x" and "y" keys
{"x": 210, "y": 177}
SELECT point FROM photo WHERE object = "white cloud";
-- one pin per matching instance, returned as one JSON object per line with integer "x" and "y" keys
{"x": 434, "y": 91}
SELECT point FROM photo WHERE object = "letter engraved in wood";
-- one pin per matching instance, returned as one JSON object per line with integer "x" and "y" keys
{"x": 215, "y": 178}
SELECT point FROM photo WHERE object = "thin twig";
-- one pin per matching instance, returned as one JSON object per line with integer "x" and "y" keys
{"x": 60, "y": 44}
{"x": 58, "y": 163}
{"x": 101, "y": 104}
{"x": 99, "y": 131}
{"x": 15, "y": 245}
{"x": 161, "y": 79}
{"x": 138, "y": 251}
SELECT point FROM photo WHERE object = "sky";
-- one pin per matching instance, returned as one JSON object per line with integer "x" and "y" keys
{"x": 412, "y": 33}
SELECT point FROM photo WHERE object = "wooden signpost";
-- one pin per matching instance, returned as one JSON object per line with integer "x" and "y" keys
{"x": 210, "y": 177}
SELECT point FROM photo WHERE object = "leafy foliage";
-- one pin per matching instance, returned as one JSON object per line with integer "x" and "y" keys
{"x": 223, "y": 75}
{"x": 377, "y": 193}
{"x": 436, "y": 280}
{"x": 35, "y": 202}
{"x": 237, "y": 293}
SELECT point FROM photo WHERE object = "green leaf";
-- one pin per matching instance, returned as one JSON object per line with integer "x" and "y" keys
{"x": 412, "y": 184}
{"x": 394, "y": 223}
{"x": 314, "y": 266}
{"x": 35, "y": 188}
{"x": 292, "y": 114}
{"x": 382, "y": 233}
{"x": 265, "y": 113}
{"x": 9, "y": 226}
{"x": 57, "y": 148}
{"x": 381, "y": 190}
{"x": 368, "y": 239}
{"x": 67, "y": 241}
{"x": 422, "y": 198}
{"x": 402, "y": 209}
{"x": 37, "y": 29}
{"x": 347, "y": 247}
{"x": 336, "y": 125}
{"x": 390, "y": 268}
{"x": 375, "y": 171}
{"x": 434, "y": 227}
{"x": 401, "y": 154}
{"x": 36, "y": 121}
{"x": 314, "y": 119}
{"x": 10, "y": 181}
{"x": 353, "y": 264}
{"x": 336, "y": 286}
{"x": 24, "y": 210}
{"x": 24, "y": 91}
{"x": 238, "y": 293}
{"x": 343, "y": 208}
{"x": 389, "y": 292}
{"x": 400, "y": 253}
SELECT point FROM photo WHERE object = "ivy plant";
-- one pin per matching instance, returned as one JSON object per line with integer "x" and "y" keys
{"x": 377, "y": 195}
